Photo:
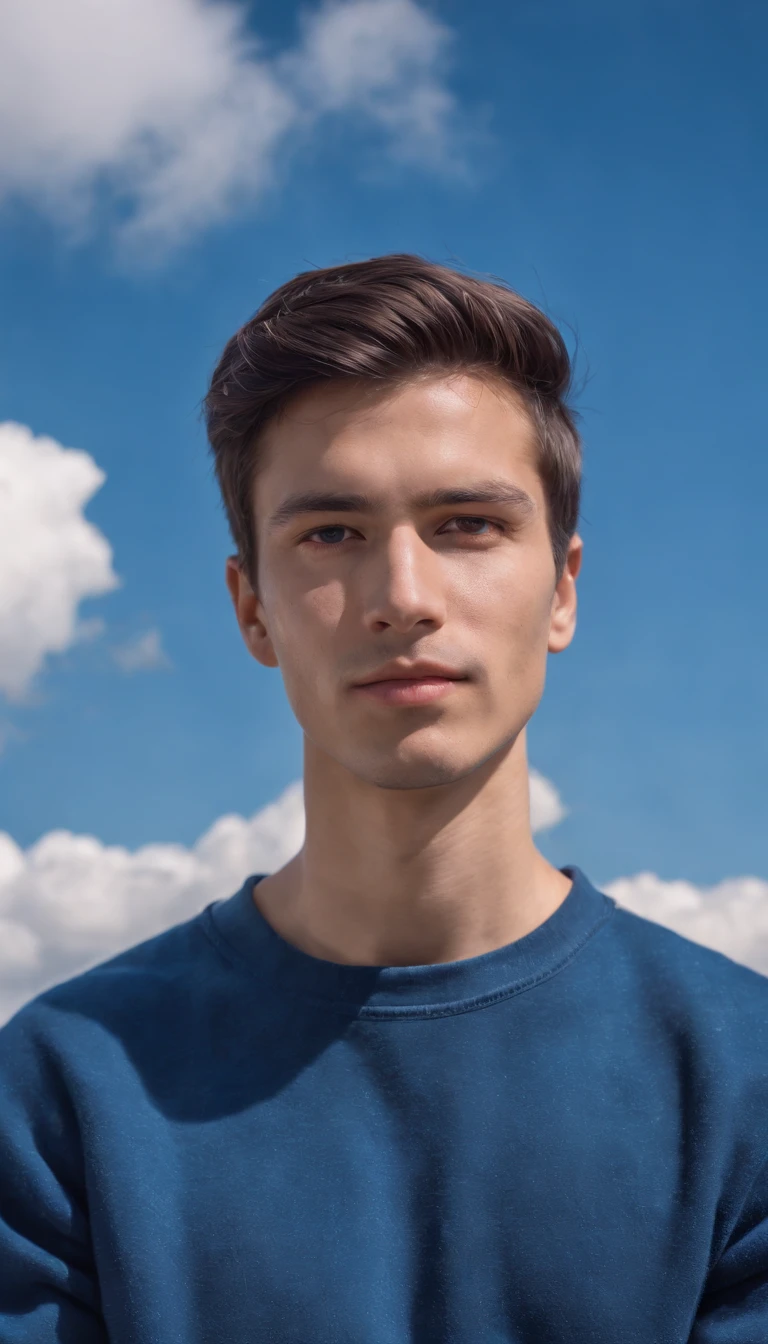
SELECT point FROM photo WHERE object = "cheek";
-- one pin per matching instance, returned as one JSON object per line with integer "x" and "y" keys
{"x": 515, "y": 645}
{"x": 322, "y": 605}
{"x": 303, "y": 624}
{"x": 506, "y": 611}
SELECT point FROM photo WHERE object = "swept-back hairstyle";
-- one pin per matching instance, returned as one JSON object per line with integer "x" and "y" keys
{"x": 389, "y": 319}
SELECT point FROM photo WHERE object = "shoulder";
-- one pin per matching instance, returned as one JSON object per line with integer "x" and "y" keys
{"x": 147, "y": 987}
{"x": 709, "y": 1009}
{"x": 684, "y": 965}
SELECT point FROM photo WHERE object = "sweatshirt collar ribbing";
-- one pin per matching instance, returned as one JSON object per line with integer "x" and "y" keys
{"x": 393, "y": 991}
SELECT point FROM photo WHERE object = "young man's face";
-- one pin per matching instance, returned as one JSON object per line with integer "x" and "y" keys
{"x": 400, "y": 580}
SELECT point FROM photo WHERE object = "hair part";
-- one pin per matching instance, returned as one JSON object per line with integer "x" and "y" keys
{"x": 388, "y": 320}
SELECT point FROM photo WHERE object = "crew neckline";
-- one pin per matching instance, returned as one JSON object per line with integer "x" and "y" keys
{"x": 237, "y": 926}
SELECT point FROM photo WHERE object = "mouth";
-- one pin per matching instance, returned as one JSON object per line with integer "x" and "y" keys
{"x": 409, "y": 690}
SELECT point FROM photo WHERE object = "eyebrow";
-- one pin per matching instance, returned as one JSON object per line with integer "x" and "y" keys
{"x": 479, "y": 492}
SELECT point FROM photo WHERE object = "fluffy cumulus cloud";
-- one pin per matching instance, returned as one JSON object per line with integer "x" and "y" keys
{"x": 173, "y": 112}
{"x": 51, "y": 557}
{"x": 69, "y": 901}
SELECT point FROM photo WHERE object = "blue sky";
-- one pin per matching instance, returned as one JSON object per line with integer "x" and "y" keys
{"x": 609, "y": 162}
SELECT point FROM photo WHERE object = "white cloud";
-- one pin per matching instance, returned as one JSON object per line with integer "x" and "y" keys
{"x": 731, "y": 916}
{"x": 50, "y": 556}
{"x": 142, "y": 654}
{"x": 382, "y": 57}
{"x": 69, "y": 901}
{"x": 171, "y": 111}
{"x": 547, "y": 808}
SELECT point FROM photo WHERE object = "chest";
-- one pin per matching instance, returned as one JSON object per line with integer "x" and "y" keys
{"x": 371, "y": 1193}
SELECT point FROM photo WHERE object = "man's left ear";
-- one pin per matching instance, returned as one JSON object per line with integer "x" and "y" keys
{"x": 563, "y": 621}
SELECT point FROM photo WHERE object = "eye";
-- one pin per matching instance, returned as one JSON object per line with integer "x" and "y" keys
{"x": 342, "y": 527}
{"x": 465, "y": 518}
{"x": 332, "y": 527}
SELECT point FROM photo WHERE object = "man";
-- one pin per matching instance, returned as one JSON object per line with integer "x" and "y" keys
{"x": 418, "y": 1085}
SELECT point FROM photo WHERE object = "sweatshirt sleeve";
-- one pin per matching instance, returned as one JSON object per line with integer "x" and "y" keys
{"x": 48, "y": 1285}
{"x": 734, "y": 1307}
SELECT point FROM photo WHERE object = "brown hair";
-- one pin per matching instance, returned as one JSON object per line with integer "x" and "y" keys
{"x": 388, "y": 319}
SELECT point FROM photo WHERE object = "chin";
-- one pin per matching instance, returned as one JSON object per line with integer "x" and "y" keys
{"x": 426, "y": 772}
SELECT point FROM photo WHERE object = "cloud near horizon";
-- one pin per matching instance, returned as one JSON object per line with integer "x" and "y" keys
{"x": 169, "y": 115}
{"x": 69, "y": 901}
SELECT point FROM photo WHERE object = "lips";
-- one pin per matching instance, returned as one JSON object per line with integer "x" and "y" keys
{"x": 409, "y": 691}
{"x": 410, "y": 681}
{"x": 416, "y": 672}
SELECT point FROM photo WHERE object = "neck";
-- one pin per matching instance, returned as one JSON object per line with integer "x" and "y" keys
{"x": 412, "y": 877}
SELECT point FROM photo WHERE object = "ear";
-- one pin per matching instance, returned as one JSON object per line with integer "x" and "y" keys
{"x": 249, "y": 613}
{"x": 563, "y": 619}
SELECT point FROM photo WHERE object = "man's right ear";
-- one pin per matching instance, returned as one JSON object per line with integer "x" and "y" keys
{"x": 249, "y": 613}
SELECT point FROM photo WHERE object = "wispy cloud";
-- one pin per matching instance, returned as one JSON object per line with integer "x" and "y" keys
{"x": 171, "y": 113}
{"x": 145, "y": 653}
{"x": 51, "y": 557}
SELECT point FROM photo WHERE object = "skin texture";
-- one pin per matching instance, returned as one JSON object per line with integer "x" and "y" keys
{"x": 418, "y": 843}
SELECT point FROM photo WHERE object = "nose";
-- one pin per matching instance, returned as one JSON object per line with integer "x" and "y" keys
{"x": 403, "y": 583}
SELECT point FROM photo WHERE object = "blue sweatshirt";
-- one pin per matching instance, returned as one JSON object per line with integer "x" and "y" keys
{"x": 216, "y": 1138}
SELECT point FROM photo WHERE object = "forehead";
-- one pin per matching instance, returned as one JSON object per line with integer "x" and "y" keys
{"x": 448, "y": 414}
